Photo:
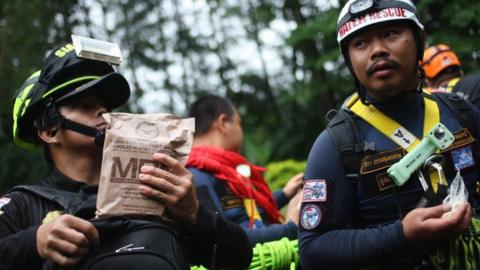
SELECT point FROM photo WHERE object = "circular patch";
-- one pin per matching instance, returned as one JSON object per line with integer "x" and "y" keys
{"x": 310, "y": 216}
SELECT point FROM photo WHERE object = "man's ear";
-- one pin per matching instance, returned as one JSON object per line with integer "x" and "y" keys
{"x": 221, "y": 124}
{"x": 48, "y": 135}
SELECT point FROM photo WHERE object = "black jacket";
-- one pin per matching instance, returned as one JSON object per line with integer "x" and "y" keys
{"x": 22, "y": 212}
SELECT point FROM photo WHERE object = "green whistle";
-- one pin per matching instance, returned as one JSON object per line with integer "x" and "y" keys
{"x": 438, "y": 138}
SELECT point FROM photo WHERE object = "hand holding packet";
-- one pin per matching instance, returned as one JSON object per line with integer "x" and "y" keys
{"x": 130, "y": 142}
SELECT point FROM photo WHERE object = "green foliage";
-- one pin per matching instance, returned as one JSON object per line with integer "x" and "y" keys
{"x": 27, "y": 30}
{"x": 174, "y": 52}
{"x": 280, "y": 172}
{"x": 450, "y": 22}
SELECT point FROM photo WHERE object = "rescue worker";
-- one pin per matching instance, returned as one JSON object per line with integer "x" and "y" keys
{"x": 443, "y": 72}
{"x": 50, "y": 224}
{"x": 228, "y": 182}
{"x": 353, "y": 215}
{"x": 442, "y": 68}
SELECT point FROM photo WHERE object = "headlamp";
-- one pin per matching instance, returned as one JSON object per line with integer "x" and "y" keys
{"x": 360, "y": 6}
{"x": 98, "y": 50}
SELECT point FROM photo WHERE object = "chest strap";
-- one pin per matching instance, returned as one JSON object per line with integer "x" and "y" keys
{"x": 395, "y": 131}
{"x": 391, "y": 128}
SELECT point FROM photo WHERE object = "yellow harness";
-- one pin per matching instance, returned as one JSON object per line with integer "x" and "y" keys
{"x": 393, "y": 130}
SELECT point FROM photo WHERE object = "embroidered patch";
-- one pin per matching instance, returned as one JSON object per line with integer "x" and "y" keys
{"x": 310, "y": 217}
{"x": 463, "y": 157}
{"x": 4, "y": 201}
{"x": 231, "y": 201}
{"x": 384, "y": 182}
{"x": 314, "y": 191}
{"x": 462, "y": 138}
{"x": 380, "y": 161}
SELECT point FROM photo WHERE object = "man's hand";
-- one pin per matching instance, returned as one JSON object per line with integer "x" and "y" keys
{"x": 173, "y": 187}
{"x": 293, "y": 208}
{"x": 428, "y": 223}
{"x": 66, "y": 239}
{"x": 293, "y": 185}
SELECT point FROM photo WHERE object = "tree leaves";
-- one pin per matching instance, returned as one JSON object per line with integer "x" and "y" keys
{"x": 278, "y": 60}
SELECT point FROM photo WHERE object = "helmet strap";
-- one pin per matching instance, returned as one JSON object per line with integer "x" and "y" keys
{"x": 99, "y": 135}
{"x": 52, "y": 118}
{"x": 421, "y": 77}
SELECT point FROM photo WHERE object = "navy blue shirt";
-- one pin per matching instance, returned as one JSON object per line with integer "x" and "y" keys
{"x": 215, "y": 194}
{"x": 356, "y": 228}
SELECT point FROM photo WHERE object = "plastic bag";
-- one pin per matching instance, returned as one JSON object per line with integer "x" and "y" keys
{"x": 457, "y": 194}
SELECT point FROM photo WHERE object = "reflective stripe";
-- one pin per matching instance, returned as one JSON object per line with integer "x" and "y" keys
{"x": 20, "y": 106}
{"x": 83, "y": 78}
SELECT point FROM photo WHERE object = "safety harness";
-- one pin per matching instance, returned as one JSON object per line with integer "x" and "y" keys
{"x": 460, "y": 253}
{"x": 344, "y": 132}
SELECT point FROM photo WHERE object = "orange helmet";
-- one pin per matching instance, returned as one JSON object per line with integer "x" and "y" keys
{"x": 437, "y": 58}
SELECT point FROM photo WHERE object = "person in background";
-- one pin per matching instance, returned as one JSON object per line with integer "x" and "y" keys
{"x": 229, "y": 183}
{"x": 443, "y": 72}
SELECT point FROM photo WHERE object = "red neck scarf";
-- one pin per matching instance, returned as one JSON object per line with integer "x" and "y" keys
{"x": 222, "y": 164}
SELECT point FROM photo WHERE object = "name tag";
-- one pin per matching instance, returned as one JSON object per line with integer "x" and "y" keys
{"x": 381, "y": 160}
{"x": 373, "y": 172}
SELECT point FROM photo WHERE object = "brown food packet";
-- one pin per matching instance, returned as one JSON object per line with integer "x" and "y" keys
{"x": 130, "y": 142}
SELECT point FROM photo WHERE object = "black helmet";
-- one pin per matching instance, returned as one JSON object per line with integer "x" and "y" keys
{"x": 63, "y": 76}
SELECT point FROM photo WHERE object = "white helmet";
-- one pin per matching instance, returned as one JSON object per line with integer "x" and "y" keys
{"x": 357, "y": 14}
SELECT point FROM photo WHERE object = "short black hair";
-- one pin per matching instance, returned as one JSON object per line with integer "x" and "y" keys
{"x": 206, "y": 109}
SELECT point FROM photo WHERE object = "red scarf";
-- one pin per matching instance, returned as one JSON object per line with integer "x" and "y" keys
{"x": 222, "y": 164}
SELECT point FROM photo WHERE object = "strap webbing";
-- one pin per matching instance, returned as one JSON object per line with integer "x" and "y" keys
{"x": 396, "y": 132}
{"x": 391, "y": 128}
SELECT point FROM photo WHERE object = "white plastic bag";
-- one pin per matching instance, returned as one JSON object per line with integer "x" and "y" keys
{"x": 457, "y": 194}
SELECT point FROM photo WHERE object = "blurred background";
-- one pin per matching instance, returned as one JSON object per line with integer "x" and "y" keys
{"x": 277, "y": 60}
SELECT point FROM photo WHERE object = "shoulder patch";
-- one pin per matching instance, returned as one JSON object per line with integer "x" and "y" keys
{"x": 311, "y": 216}
{"x": 4, "y": 201}
{"x": 314, "y": 190}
